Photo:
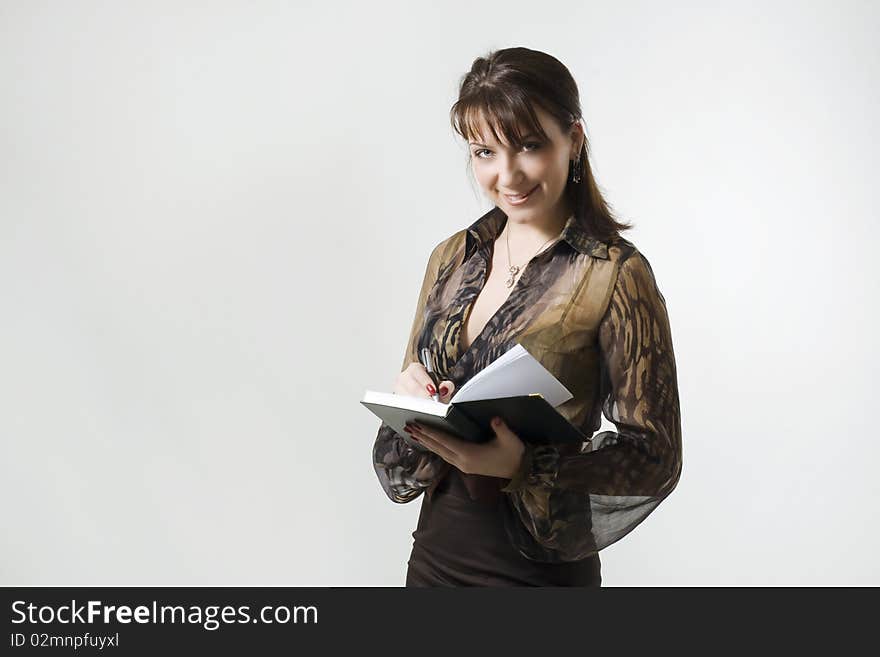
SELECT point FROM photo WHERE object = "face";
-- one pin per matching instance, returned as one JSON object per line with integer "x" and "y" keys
{"x": 539, "y": 170}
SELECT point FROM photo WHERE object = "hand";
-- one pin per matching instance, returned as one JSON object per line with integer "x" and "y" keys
{"x": 500, "y": 457}
{"x": 416, "y": 382}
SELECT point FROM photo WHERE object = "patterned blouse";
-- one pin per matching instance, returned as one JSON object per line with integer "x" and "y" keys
{"x": 592, "y": 314}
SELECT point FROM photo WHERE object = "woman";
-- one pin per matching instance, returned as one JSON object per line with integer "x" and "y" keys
{"x": 546, "y": 268}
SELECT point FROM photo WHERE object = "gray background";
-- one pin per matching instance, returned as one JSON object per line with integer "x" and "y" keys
{"x": 215, "y": 218}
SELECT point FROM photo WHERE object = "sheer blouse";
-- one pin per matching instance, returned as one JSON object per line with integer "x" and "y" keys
{"x": 592, "y": 314}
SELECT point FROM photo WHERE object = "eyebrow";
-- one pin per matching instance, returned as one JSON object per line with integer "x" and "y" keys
{"x": 475, "y": 143}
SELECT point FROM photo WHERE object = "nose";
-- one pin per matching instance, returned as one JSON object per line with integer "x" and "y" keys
{"x": 509, "y": 173}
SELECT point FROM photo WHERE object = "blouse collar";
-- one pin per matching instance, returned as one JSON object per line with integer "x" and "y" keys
{"x": 487, "y": 228}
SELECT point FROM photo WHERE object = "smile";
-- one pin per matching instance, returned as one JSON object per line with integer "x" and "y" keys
{"x": 519, "y": 199}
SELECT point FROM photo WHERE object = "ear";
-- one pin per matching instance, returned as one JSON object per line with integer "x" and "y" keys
{"x": 577, "y": 139}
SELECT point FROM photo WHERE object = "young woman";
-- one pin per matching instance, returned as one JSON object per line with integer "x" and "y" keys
{"x": 546, "y": 268}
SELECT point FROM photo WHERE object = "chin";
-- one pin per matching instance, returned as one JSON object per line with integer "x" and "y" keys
{"x": 522, "y": 212}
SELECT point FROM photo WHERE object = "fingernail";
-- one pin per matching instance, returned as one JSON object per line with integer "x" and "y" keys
{"x": 432, "y": 390}
{"x": 444, "y": 390}
{"x": 496, "y": 421}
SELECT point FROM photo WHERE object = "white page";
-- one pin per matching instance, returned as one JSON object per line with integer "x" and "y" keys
{"x": 516, "y": 372}
{"x": 516, "y": 351}
{"x": 421, "y": 404}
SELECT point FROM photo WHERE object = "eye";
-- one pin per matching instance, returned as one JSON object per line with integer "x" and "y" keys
{"x": 528, "y": 146}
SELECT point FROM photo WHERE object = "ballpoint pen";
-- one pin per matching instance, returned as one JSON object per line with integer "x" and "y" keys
{"x": 429, "y": 366}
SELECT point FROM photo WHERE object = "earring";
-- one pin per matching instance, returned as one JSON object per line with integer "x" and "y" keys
{"x": 576, "y": 172}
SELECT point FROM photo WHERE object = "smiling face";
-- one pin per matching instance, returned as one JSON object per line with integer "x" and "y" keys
{"x": 537, "y": 168}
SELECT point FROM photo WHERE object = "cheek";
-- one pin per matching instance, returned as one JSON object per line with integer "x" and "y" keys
{"x": 547, "y": 168}
{"x": 558, "y": 170}
{"x": 483, "y": 175}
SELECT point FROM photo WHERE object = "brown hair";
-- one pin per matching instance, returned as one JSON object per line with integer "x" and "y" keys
{"x": 504, "y": 86}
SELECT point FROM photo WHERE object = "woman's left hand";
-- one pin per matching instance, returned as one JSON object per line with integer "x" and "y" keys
{"x": 499, "y": 457}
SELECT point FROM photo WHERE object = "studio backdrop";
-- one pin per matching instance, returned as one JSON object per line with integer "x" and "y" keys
{"x": 214, "y": 223}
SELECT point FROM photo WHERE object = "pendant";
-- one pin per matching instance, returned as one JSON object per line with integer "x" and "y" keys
{"x": 513, "y": 272}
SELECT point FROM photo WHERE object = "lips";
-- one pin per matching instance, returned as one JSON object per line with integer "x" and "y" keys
{"x": 519, "y": 197}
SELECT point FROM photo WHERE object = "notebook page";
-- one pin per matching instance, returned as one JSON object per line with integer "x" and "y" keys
{"x": 421, "y": 404}
{"x": 516, "y": 372}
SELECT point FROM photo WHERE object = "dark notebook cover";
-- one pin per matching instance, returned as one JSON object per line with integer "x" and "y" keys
{"x": 531, "y": 417}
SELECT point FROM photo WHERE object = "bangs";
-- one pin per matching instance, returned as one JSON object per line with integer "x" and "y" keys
{"x": 509, "y": 118}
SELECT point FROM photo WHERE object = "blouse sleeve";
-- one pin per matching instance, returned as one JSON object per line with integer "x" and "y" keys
{"x": 405, "y": 468}
{"x": 574, "y": 505}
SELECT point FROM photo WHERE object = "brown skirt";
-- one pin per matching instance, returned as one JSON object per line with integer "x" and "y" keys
{"x": 461, "y": 542}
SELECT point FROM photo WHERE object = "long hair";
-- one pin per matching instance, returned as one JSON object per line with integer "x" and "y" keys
{"x": 504, "y": 86}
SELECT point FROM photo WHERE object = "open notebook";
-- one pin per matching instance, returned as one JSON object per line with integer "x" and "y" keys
{"x": 515, "y": 386}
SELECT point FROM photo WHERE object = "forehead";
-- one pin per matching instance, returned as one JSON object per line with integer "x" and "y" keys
{"x": 481, "y": 131}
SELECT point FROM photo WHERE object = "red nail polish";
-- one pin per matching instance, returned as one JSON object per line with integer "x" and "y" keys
{"x": 432, "y": 390}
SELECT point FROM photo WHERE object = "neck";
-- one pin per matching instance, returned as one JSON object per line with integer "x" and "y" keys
{"x": 535, "y": 230}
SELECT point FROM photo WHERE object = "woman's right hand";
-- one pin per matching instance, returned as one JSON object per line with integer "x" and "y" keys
{"x": 416, "y": 382}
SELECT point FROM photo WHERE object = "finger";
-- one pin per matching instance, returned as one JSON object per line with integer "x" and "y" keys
{"x": 418, "y": 380}
{"x": 424, "y": 381}
{"x": 503, "y": 433}
{"x": 444, "y": 439}
{"x": 499, "y": 426}
{"x": 446, "y": 389}
{"x": 436, "y": 446}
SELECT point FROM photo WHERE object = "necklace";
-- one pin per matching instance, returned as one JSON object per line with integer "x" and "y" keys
{"x": 514, "y": 269}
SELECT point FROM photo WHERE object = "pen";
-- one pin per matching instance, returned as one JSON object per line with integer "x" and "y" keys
{"x": 429, "y": 366}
